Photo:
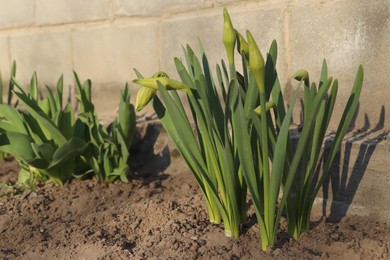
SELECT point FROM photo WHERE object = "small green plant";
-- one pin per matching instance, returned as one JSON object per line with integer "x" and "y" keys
{"x": 42, "y": 137}
{"x": 242, "y": 133}
{"x": 9, "y": 97}
{"x": 109, "y": 148}
{"x": 51, "y": 141}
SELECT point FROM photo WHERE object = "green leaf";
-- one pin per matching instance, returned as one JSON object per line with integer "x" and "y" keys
{"x": 1, "y": 89}
{"x": 66, "y": 122}
{"x": 34, "y": 87}
{"x": 11, "y": 119}
{"x": 46, "y": 125}
{"x": 11, "y": 83}
{"x": 278, "y": 164}
{"x": 68, "y": 151}
{"x": 59, "y": 93}
{"x": 16, "y": 144}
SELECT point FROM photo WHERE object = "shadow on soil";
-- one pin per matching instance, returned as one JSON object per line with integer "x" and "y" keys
{"x": 343, "y": 178}
{"x": 150, "y": 154}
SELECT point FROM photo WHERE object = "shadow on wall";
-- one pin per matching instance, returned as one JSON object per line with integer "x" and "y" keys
{"x": 345, "y": 180}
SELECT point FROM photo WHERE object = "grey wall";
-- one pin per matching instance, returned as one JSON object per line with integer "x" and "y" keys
{"x": 105, "y": 39}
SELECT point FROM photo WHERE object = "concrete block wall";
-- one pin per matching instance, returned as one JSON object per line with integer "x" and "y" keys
{"x": 105, "y": 39}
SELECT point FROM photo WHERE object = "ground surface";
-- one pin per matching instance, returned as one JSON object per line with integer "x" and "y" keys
{"x": 158, "y": 215}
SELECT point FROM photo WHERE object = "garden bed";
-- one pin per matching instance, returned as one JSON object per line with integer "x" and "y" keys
{"x": 159, "y": 214}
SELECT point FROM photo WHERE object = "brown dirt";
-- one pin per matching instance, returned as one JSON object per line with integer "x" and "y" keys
{"x": 158, "y": 215}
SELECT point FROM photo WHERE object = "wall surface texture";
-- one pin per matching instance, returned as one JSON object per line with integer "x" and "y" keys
{"x": 105, "y": 39}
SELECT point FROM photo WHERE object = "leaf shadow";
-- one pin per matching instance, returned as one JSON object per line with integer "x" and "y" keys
{"x": 344, "y": 177}
{"x": 149, "y": 154}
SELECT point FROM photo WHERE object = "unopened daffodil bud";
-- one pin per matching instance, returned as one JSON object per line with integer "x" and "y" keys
{"x": 268, "y": 106}
{"x": 229, "y": 36}
{"x": 256, "y": 62}
{"x": 160, "y": 74}
{"x": 302, "y": 75}
{"x": 242, "y": 45}
{"x": 144, "y": 95}
{"x": 162, "y": 77}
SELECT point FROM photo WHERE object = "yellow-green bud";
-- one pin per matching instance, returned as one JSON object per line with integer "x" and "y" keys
{"x": 242, "y": 45}
{"x": 268, "y": 106}
{"x": 256, "y": 62}
{"x": 302, "y": 75}
{"x": 162, "y": 77}
{"x": 144, "y": 95}
{"x": 229, "y": 36}
{"x": 160, "y": 74}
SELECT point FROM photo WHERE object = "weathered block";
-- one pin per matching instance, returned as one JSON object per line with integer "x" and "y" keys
{"x": 264, "y": 25}
{"x": 346, "y": 34}
{"x": 16, "y": 13}
{"x": 57, "y": 11}
{"x": 49, "y": 54}
{"x": 357, "y": 183}
{"x": 156, "y": 7}
{"x": 108, "y": 55}
{"x": 5, "y": 64}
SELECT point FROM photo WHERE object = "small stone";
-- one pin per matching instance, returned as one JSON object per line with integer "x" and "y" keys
{"x": 276, "y": 252}
{"x": 193, "y": 248}
{"x": 194, "y": 238}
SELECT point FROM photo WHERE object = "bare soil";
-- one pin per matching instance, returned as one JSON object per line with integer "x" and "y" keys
{"x": 159, "y": 214}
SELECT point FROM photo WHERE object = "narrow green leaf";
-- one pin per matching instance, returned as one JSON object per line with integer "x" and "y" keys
{"x": 11, "y": 83}
{"x": 46, "y": 125}
{"x": 34, "y": 87}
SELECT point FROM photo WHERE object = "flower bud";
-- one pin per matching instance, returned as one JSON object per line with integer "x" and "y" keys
{"x": 256, "y": 62}
{"x": 268, "y": 106}
{"x": 302, "y": 75}
{"x": 162, "y": 77}
{"x": 242, "y": 45}
{"x": 229, "y": 36}
{"x": 144, "y": 95}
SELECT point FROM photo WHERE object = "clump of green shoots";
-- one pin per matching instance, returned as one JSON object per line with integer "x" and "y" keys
{"x": 9, "y": 97}
{"x": 209, "y": 150}
{"x": 53, "y": 141}
{"x": 242, "y": 139}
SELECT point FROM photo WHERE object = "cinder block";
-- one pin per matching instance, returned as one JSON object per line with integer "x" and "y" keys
{"x": 16, "y": 13}
{"x": 265, "y": 25}
{"x": 107, "y": 55}
{"x": 57, "y": 11}
{"x": 358, "y": 184}
{"x": 226, "y": 2}
{"x": 4, "y": 56}
{"x": 156, "y": 7}
{"x": 5, "y": 64}
{"x": 346, "y": 34}
{"x": 49, "y": 54}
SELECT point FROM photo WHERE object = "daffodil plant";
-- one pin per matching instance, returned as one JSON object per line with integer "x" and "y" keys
{"x": 208, "y": 148}
{"x": 242, "y": 133}
{"x": 315, "y": 124}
